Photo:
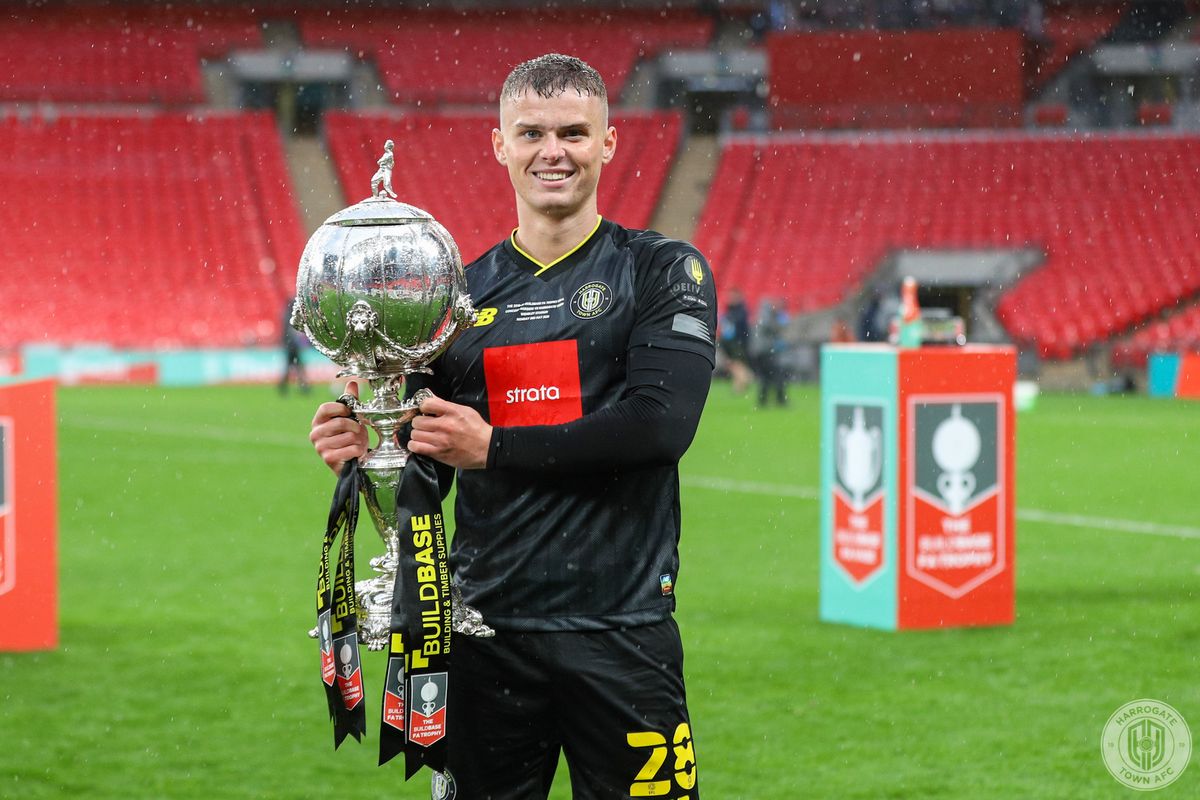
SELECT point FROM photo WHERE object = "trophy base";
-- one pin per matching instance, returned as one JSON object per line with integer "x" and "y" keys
{"x": 374, "y": 611}
{"x": 375, "y": 619}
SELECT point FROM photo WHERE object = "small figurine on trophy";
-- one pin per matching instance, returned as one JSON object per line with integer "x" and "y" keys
{"x": 381, "y": 181}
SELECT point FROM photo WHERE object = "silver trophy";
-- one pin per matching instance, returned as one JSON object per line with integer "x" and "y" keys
{"x": 381, "y": 292}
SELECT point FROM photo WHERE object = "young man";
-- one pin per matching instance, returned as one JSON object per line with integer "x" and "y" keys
{"x": 565, "y": 411}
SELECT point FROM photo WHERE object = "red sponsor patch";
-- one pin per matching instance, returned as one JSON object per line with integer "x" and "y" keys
{"x": 533, "y": 384}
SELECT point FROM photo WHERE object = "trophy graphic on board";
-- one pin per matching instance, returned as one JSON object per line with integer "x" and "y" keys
{"x": 859, "y": 455}
{"x": 956, "y": 448}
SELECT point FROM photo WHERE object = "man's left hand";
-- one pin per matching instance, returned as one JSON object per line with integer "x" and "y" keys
{"x": 450, "y": 433}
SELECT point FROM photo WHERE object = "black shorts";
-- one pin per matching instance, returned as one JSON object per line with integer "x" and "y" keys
{"x": 612, "y": 701}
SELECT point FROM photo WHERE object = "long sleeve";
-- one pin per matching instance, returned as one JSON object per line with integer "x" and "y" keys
{"x": 653, "y": 423}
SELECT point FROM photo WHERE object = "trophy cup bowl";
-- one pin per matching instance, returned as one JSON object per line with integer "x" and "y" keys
{"x": 381, "y": 292}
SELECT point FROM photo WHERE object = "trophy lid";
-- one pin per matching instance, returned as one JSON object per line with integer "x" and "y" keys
{"x": 379, "y": 211}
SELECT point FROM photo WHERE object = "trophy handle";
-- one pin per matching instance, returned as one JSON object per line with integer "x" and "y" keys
{"x": 365, "y": 338}
{"x": 462, "y": 316}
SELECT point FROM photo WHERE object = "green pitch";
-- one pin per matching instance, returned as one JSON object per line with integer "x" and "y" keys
{"x": 190, "y": 526}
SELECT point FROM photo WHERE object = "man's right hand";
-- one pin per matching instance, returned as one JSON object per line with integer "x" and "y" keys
{"x": 336, "y": 437}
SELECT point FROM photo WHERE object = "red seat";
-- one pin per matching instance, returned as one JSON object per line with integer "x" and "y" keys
{"x": 435, "y": 58}
{"x": 189, "y": 218}
{"x": 629, "y": 190}
{"x": 1155, "y": 114}
{"x": 1050, "y": 115}
{"x": 818, "y": 215}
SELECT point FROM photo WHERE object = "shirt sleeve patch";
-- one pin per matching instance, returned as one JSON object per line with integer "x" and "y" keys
{"x": 683, "y": 323}
{"x": 688, "y": 277}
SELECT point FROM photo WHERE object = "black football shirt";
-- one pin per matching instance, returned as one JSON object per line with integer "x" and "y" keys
{"x": 546, "y": 550}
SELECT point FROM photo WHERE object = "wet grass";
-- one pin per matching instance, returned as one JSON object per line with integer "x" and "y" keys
{"x": 189, "y": 534}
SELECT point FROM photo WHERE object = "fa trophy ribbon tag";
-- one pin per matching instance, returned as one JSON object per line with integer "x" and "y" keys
{"x": 337, "y": 614}
{"x": 381, "y": 292}
{"x": 416, "y": 698}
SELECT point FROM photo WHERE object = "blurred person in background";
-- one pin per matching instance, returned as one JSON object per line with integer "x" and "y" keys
{"x": 293, "y": 353}
{"x": 769, "y": 347}
{"x": 734, "y": 328}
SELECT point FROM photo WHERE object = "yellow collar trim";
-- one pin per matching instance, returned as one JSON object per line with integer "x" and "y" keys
{"x": 543, "y": 267}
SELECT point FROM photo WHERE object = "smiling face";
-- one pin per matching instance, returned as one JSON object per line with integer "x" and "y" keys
{"x": 554, "y": 148}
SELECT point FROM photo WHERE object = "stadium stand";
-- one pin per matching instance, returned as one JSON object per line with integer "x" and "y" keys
{"x": 115, "y": 53}
{"x": 810, "y": 219}
{"x": 896, "y": 79}
{"x": 205, "y": 197}
{"x": 1178, "y": 332}
{"x": 1068, "y": 31}
{"x": 445, "y": 165}
{"x": 162, "y": 230}
{"x": 453, "y": 58}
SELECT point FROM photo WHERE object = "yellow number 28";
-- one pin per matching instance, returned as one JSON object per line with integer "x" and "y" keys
{"x": 647, "y": 783}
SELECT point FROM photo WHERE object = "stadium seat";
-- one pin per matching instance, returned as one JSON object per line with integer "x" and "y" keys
{"x": 468, "y": 201}
{"x": 146, "y": 230}
{"x": 1069, "y": 30}
{"x": 1115, "y": 215}
{"x": 112, "y": 53}
{"x": 1050, "y": 115}
{"x": 1177, "y": 332}
{"x": 951, "y": 78}
{"x": 438, "y": 58}
{"x": 1154, "y": 114}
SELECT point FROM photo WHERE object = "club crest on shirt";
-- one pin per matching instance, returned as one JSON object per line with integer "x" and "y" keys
{"x": 591, "y": 300}
{"x": 443, "y": 786}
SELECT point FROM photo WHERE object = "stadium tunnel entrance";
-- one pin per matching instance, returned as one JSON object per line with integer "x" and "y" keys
{"x": 966, "y": 283}
{"x": 963, "y": 283}
{"x": 297, "y": 86}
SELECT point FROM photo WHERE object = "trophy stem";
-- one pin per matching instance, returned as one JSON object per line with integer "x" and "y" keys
{"x": 375, "y": 593}
{"x": 382, "y": 471}
{"x": 395, "y": 302}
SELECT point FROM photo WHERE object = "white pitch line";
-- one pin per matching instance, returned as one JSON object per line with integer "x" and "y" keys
{"x": 750, "y": 487}
{"x": 133, "y": 424}
{"x": 243, "y": 436}
{"x": 1108, "y": 523}
{"x": 1024, "y": 514}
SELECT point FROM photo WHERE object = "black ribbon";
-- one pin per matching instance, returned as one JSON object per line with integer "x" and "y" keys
{"x": 416, "y": 689}
{"x": 414, "y": 718}
{"x": 337, "y": 613}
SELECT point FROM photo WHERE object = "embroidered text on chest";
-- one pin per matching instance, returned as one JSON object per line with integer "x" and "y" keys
{"x": 533, "y": 309}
